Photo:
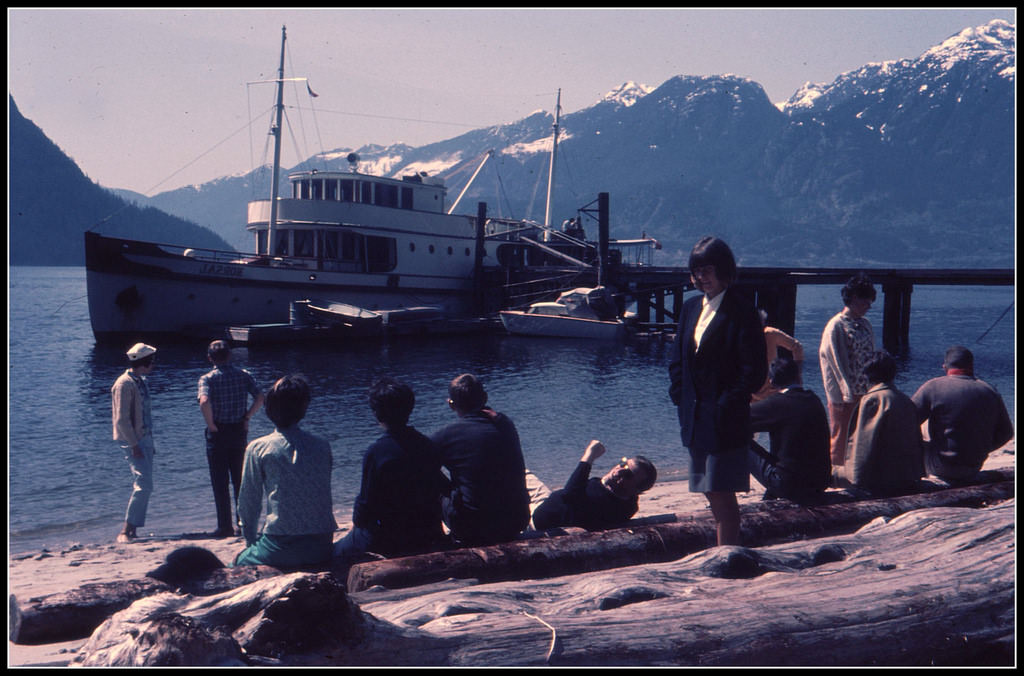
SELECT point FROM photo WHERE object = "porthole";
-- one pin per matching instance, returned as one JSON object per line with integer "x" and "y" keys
{"x": 412, "y": 246}
{"x": 431, "y": 248}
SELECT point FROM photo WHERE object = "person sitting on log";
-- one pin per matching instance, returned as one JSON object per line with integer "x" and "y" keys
{"x": 398, "y": 509}
{"x": 292, "y": 468}
{"x": 798, "y": 467}
{"x": 487, "y": 500}
{"x": 884, "y": 452}
{"x": 597, "y": 503}
{"x": 967, "y": 419}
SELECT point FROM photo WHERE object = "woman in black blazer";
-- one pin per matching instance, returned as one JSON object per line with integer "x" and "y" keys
{"x": 718, "y": 362}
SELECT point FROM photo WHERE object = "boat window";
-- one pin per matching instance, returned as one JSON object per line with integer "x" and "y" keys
{"x": 331, "y": 190}
{"x": 303, "y": 241}
{"x": 406, "y": 198}
{"x": 317, "y": 192}
{"x": 304, "y": 189}
{"x": 366, "y": 192}
{"x": 386, "y": 195}
{"x": 381, "y": 254}
{"x": 348, "y": 190}
{"x": 261, "y": 241}
{"x": 281, "y": 242}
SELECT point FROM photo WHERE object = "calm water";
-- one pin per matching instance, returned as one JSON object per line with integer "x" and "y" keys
{"x": 68, "y": 482}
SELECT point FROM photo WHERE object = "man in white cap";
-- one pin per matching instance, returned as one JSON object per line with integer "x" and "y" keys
{"x": 133, "y": 430}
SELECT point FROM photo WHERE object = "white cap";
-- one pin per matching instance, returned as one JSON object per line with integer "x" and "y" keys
{"x": 140, "y": 351}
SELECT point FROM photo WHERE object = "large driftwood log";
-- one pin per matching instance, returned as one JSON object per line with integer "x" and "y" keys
{"x": 76, "y": 613}
{"x": 930, "y": 587}
{"x": 293, "y": 619}
{"x": 589, "y": 551}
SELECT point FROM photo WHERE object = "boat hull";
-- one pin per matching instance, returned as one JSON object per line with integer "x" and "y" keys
{"x": 521, "y": 323}
{"x": 140, "y": 290}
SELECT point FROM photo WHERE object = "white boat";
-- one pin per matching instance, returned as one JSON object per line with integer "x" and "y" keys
{"x": 335, "y": 313}
{"x": 579, "y": 313}
{"x": 375, "y": 242}
{"x": 371, "y": 242}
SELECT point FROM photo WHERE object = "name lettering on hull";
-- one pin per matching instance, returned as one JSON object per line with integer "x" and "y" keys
{"x": 217, "y": 269}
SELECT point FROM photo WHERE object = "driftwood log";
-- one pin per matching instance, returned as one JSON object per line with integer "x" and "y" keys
{"x": 588, "y": 551}
{"x": 930, "y": 587}
{"x": 292, "y": 619}
{"x": 76, "y": 613}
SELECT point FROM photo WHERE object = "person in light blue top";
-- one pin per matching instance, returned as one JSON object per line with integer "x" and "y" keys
{"x": 292, "y": 468}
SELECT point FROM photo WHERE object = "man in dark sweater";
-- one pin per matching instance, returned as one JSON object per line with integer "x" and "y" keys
{"x": 487, "y": 501}
{"x": 398, "y": 509}
{"x": 967, "y": 419}
{"x": 593, "y": 503}
{"x": 798, "y": 467}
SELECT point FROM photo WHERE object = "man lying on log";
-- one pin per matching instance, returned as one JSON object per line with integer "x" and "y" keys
{"x": 593, "y": 503}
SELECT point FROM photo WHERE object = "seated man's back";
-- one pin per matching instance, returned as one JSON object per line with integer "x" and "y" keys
{"x": 967, "y": 418}
{"x": 884, "y": 454}
{"x": 399, "y": 503}
{"x": 488, "y": 500}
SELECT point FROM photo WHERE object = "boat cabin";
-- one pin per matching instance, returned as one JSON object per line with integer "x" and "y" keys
{"x": 415, "y": 192}
{"x": 324, "y": 218}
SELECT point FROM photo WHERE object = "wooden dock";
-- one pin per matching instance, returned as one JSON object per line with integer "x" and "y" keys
{"x": 659, "y": 291}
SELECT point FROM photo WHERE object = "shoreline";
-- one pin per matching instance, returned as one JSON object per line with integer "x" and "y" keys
{"x": 45, "y": 572}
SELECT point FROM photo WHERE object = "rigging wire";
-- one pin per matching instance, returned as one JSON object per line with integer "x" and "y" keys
{"x": 978, "y": 340}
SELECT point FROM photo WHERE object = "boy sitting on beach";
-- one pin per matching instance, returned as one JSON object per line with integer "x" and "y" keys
{"x": 292, "y": 468}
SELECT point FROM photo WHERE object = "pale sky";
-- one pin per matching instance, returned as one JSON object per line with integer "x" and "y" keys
{"x": 153, "y": 99}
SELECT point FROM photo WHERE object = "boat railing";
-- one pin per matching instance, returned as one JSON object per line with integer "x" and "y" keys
{"x": 220, "y": 256}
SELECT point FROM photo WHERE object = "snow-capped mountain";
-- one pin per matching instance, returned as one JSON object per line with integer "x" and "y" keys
{"x": 907, "y": 162}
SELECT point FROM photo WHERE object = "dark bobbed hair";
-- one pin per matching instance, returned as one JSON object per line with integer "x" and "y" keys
{"x": 713, "y": 251}
{"x": 287, "y": 400}
{"x": 391, "y": 401}
{"x": 880, "y": 367}
{"x": 650, "y": 474}
{"x": 467, "y": 393}
{"x": 858, "y": 286}
{"x": 219, "y": 351}
{"x": 783, "y": 372}
{"x": 959, "y": 357}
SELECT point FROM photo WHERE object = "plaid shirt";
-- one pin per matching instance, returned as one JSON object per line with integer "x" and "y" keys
{"x": 227, "y": 387}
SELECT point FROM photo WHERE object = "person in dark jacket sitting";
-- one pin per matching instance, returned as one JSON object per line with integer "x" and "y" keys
{"x": 398, "y": 509}
{"x": 487, "y": 501}
{"x": 594, "y": 503}
{"x": 798, "y": 467}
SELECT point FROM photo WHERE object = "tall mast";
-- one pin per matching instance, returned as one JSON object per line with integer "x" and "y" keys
{"x": 276, "y": 131}
{"x": 554, "y": 152}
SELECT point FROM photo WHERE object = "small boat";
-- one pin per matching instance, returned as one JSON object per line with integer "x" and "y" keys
{"x": 579, "y": 313}
{"x": 335, "y": 313}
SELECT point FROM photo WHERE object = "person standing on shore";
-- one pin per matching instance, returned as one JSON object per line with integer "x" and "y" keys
{"x": 718, "y": 362}
{"x": 291, "y": 468}
{"x": 846, "y": 344}
{"x": 223, "y": 397}
{"x": 967, "y": 419}
{"x": 133, "y": 430}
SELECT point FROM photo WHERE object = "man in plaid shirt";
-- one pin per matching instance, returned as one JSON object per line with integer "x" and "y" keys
{"x": 223, "y": 399}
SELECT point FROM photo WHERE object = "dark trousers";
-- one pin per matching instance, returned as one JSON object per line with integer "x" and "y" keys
{"x": 225, "y": 451}
{"x": 777, "y": 482}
